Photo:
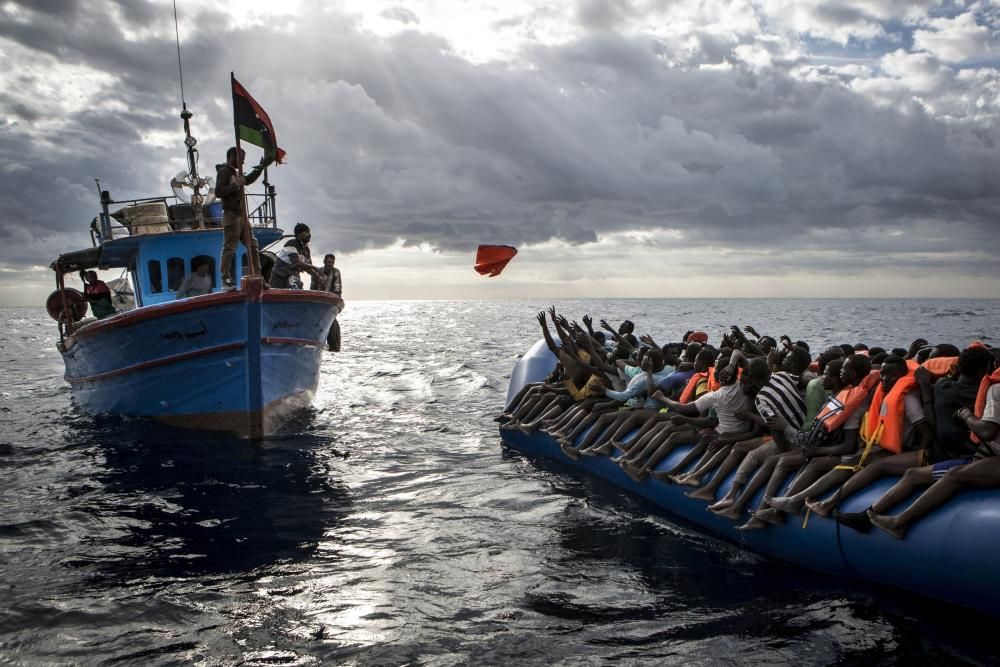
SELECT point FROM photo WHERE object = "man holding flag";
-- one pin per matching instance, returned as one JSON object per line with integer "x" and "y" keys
{"x": 252, "y": 125}
{"x": 229, "y": 189}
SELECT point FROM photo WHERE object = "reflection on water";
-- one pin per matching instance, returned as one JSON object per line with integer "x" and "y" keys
{"x": 394, "y": 529}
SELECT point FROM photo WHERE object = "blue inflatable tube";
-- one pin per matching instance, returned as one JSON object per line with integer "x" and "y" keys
{"x": 953, "y": 554}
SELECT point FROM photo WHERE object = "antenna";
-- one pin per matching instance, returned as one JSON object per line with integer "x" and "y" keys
{"x": 191, "y": 179}
{"x": 180, "y": 68}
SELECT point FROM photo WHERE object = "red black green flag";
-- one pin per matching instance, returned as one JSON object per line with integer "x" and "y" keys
{"x": 253, "y": 124}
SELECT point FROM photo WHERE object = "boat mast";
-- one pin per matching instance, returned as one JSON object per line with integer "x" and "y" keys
{"x": 192, "y": 180}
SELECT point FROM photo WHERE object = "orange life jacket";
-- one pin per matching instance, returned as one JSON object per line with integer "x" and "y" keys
{"x": 689, "y": 389}
{"x": 883, "y": 425}
{"x": 940, "y": 366}
{"x": 984, "y": 388}
{"x": 839, "y": 408}
{"x": 912, "y": 365}
{"x": 713, "y": 384}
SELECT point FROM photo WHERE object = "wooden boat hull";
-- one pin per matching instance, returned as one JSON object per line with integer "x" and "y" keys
{"x": 244, "y": 361}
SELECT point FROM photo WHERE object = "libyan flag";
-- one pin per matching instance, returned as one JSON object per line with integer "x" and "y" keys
{"x": 253, "y": 125}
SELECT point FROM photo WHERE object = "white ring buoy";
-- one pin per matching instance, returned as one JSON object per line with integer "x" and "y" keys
{"x": 183, "y": 187}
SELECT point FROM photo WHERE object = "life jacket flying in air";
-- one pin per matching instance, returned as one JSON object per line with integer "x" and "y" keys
{"x": 491, "y": 259}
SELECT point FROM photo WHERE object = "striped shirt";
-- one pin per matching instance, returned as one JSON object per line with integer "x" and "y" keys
{"x": 781, "y": 397}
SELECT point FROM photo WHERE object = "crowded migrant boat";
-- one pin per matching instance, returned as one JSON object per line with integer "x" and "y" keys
{"x": 761, "y": 410}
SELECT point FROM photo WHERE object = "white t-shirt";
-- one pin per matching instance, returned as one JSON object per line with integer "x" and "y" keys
{"x": 726, "y": 401}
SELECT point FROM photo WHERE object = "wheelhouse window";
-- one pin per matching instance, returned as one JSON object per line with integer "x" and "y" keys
{"x": 175, "y": 273}
{"x": 204, "y": 259}
{"x": 155, "y": 276}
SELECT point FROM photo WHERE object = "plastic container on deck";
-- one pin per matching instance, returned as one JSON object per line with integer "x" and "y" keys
{"x": 213, "y": 213}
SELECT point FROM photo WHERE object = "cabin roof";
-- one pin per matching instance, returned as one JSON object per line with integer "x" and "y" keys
{"x": 118, "y": 253}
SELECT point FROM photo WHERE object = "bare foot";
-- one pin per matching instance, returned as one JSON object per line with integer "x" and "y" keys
{"x": 688, "y": 480}
{"x": 500, "y": 419}
{"x": 721, "y": 505}
{"x": 570, "y": 451}
{"x": 771, "y": 516}
{"x": 703, "y": 493}
{"x": 788, "y": 505}
{"x": 887, "y": 523}
{"x": 819, "y": 507}
{"x": 753, "y": 524}
{"x": 730, "y": 512}
{"x": 636, "y": 473}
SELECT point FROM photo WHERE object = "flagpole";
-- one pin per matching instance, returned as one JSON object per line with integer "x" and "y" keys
{"x": 247, "y": 232}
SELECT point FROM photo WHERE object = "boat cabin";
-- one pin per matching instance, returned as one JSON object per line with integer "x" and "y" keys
{"x": 158, "y": 245}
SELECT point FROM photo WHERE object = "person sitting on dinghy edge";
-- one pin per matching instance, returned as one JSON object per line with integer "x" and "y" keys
{"x": 293, "y": 257}
{"x": 229, "y": 189}
{"x": 953, "y": 447}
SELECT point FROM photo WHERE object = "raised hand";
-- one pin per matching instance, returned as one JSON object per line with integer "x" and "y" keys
{"x": 915, "y": 347}
{"x": 541, "y": 317}
{"x": 587, "y": 321}
{"x": 552, "y": 313}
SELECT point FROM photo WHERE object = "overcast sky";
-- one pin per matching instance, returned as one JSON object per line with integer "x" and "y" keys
{"x": 631, "y": 148}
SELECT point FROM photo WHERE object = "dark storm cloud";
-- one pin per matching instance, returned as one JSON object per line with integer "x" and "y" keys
{"x": 50, "y": 7}
{"x": 399, "y": 138}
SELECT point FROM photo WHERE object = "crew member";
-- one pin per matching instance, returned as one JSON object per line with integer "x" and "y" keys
{"x": 229, "y": 188}
{"x": 98, "y": 295}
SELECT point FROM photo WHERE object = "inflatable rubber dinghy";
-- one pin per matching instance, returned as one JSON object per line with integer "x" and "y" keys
{"x": 953, "y": 554}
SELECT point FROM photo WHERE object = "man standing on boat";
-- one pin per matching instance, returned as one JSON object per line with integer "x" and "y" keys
{"x": 229, "y": 189}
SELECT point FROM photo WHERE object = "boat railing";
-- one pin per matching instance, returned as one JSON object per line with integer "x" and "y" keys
{"x": 169, "y": 214}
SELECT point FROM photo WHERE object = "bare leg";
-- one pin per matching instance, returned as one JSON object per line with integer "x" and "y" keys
{"x": 509, "y": 408}
{"x": 602, "y": 445}
{"x": 641, "y": 447}
{"x": 891, "y": 465}
{"x": 672, "y": 442}
{"x": 714, "y": 461}
{"x": 793, "y": 504}
{"x": 704, "y": 465}
{"x": 981, "y": 474}
{"x": 695, "y": 452}
{"x": 651, "y": 423}
{"x": 636, "y": 419}
{"x": 736, "y": 456}
{"x": 604, "y": 423}
{"x": 735, "y": 510}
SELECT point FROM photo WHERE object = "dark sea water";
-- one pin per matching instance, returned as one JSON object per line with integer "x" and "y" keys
{"x": 395, "y": 529}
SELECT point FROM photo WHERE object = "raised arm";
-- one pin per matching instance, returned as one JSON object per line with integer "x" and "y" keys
{"x": 545, "y": 332}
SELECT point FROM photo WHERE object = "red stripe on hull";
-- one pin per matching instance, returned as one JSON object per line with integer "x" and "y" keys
{"x": 163, "y": 361}
{"x": 271, "y": 340}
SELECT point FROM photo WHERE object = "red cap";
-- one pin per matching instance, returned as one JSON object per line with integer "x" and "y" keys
{"x": 697, "y": 337}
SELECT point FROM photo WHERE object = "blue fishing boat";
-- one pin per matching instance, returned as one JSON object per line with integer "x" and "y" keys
{"x": 948, "y": 555}
{"x": 241, "y": 360}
